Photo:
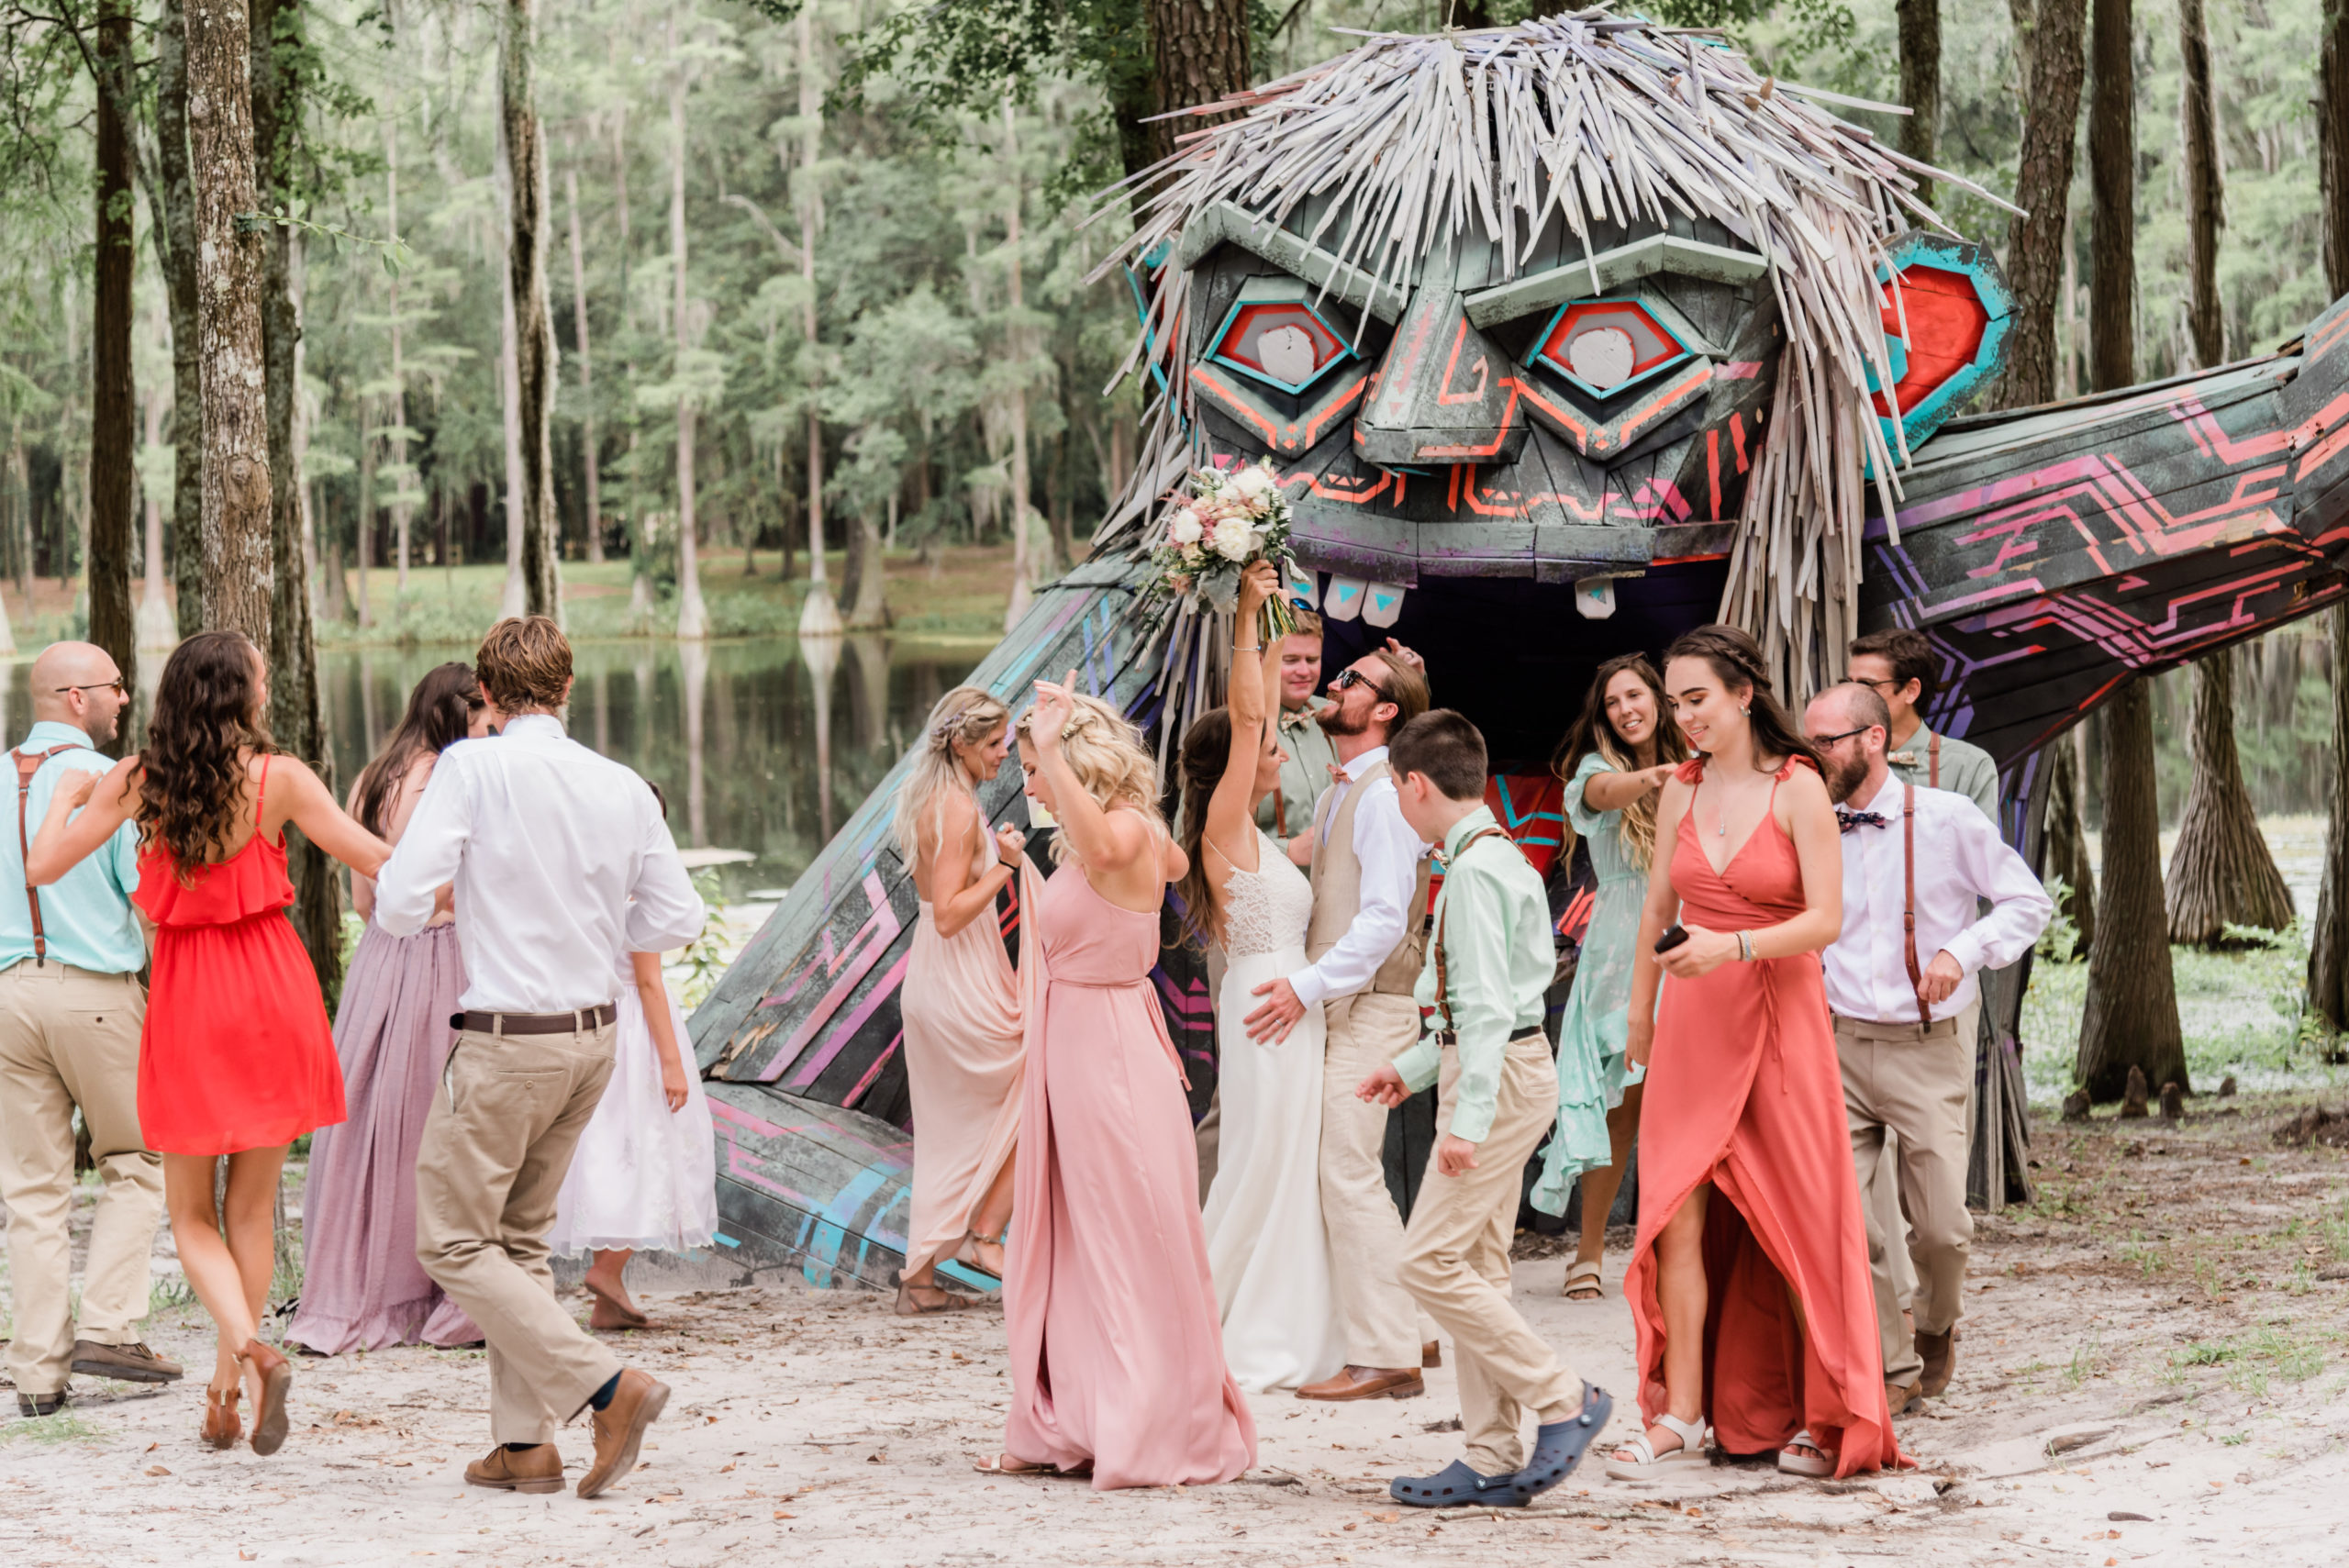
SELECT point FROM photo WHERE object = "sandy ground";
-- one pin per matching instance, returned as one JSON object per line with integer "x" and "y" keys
{"x": 2151, "y": 1371}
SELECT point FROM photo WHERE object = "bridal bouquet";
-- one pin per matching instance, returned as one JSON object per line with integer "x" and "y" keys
{"x": 1230, "y": 520}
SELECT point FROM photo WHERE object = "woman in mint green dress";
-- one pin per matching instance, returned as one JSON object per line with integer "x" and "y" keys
{"x": 1614, "y": 761}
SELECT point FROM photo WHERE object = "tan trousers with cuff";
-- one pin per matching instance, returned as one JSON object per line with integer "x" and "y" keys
{"x": 496, "y": 1147}
{"x": 1917, "y": 1084}
{"x": 1367, "y": 1031}
{"x": 70, "y": 1037}
{"x": 1456, "y": 1264}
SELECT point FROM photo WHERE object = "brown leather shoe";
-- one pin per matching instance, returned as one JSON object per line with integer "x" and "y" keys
{"x": 619, "y": 1428}
{"x": 133, "y": 1362}
{"x": 276, "y": 1374}
{"x": 221, "y": 1426}
{"x": 1368, "y": 1383}
{"x": 536, "y": 1469}
{"x": 1903, "y": 1397}
{"x": 1432, "y": 1354}
{"x": 1940, "y": 1351}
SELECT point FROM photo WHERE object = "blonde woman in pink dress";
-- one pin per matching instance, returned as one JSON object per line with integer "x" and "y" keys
{"x": 960, "y": 1002}
{"x": 1117, "y": 1353}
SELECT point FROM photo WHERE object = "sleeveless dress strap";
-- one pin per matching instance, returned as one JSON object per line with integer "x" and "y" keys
{"x": 1690, "y": 771}
{"x": 260, "y": 791}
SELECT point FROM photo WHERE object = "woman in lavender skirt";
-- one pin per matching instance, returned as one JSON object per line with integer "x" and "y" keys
{"x": 363, "y": 1288}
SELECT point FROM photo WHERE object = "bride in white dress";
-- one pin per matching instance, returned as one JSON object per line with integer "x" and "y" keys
{"x": 1266, "y": 1240}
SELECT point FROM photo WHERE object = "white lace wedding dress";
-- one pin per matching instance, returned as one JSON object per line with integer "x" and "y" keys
{"x": 1265, "y": 1242}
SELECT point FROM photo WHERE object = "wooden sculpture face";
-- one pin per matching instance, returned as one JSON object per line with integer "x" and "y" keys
{"x": 1550, "y": 423}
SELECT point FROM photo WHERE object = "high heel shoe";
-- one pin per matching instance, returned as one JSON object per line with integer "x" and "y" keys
{"x": 276, "y": 1375}
{"x": 221, "y": 1426}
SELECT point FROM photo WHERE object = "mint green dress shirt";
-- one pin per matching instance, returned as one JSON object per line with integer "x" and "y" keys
{"x": 1498, "y": 958}
{"x": 86, "y": 914}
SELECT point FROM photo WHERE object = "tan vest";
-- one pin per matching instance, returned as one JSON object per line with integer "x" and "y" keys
{"x": 1337, "y": 896}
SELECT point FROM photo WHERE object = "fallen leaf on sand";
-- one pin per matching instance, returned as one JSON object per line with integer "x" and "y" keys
{"x": 781, "y": 1515}
{"x": 157, "y": 1470}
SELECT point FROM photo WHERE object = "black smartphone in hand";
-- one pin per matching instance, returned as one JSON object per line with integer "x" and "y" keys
{"x": 1673, "y": 937}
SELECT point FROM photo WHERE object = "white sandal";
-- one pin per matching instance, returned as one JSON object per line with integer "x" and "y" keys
{"x": 1652, "y": 1465}
{"x": 1585, "y": 1276}
{"x": 1795, "y": 1463}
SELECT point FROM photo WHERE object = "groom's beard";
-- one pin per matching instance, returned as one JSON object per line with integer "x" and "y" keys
{"x": 1333, "y": 721}
{"x": 1845, "y": 782}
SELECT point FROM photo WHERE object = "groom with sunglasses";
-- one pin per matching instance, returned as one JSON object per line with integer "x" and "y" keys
{"x": 1363, "y": 947}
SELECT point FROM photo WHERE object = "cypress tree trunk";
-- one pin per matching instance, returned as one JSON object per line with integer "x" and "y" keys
{"x": 2329, "y": 946}
{"x": 2131, "y": 1018}
{"x": 114, "y": 409}
{"x": 176, "y": 222}
{"x": 2220, "y": 873}
{"x": 2205, "y": 215}
{"x": 1199, "y": 53}
{"x": 693, "y": 618}
{"x": 2051, "y": 47}
{"x": 589, "y": 448}
{"x": 1920, "y": 83}
{"x": 864, "y": 590}
{"x": 239, "y": 575}
{"x": 2067, "y": 844}
{"x": 525, "y": 259}
{"x": 2112, "y": 178}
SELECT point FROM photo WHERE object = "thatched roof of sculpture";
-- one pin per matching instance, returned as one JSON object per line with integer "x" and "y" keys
{"x": 1593, "y": 119}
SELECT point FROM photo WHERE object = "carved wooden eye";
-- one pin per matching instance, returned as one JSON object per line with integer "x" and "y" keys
{"x": 1605, "y": 345}
{"x": 1284, "y": 343}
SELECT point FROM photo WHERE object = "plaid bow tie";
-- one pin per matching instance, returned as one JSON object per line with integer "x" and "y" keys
{"x": 1901, "y": 759}
{"x": 1847, "y": 820}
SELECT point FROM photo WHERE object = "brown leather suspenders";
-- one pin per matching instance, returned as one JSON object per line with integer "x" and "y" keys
{"x": 27, "y": 764}
{"x": 1933, "y": 763}
{"x": 1442, "y": 980}
{"x": 1909, "y": 895}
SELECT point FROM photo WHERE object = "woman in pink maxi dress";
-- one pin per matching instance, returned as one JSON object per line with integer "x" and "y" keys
{"x": 1117, "y": 1350}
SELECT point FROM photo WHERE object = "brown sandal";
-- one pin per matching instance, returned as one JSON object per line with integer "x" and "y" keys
{"x": 276, "y": 1381}
{"x": 948, "y": 1301}
{"x": 966, "y": 1253}
{"x": 221, "y": 1426}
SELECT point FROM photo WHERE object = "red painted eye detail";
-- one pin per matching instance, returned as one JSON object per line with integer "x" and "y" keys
{"x": 1283, "y": 343}
{"x": 1605, "y": 345}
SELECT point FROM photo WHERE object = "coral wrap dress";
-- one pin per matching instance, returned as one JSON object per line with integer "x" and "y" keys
{"x": 1744, "y": 1090}
{"x": 1117, "y": 1354}
{"x": 237, "y": 1053}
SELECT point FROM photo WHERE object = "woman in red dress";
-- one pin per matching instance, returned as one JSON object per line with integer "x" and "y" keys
{"x": 1749, "y": 1283}
{"x": 237, "y": 1058}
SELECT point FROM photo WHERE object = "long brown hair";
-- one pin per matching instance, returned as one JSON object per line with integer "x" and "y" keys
{"x": 1735, "y": 660}
{"x": 192, "y": 769}
{"x": 1206, "y": 754}
{"x": 440, "y": 710}
{"x": 1593, "y": 732}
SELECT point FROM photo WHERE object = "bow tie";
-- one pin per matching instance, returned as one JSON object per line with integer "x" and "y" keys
{"x": 1901, "y": 759}
{"x": 1338, "y": 774}
{"x": 1847, "y": 820}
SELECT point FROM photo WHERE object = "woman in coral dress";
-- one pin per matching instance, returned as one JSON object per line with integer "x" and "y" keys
{"x": 1117, "y": 1359}
{"x": 237, "y": 1059}
{"x": 1749, "y": 1282}
{"x": 960, "y": 1001}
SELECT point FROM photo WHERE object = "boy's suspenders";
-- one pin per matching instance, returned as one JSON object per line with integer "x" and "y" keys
{"x": 1442, "y": 980}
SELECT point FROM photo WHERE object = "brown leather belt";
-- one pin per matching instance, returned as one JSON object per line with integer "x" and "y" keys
{"x": 580, "y": 1022}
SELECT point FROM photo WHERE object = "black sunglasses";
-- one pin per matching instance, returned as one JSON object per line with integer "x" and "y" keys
{"x": 1353, "y": 677}
{"x": 115, "y": 686}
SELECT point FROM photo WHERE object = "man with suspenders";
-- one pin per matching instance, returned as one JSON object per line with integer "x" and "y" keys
{"x": 71, "y": 1012}
{"x": 1918, "y": 864}
{"x": 1899, "y": 666}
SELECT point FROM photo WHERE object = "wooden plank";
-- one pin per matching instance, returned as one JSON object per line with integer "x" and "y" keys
{"x": 1614, "y": 269}
{"x": 1224, "y": 223}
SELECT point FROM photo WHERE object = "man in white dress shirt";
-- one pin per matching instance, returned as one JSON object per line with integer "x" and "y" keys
{"x": 562, "y": 861}
{"x": 1363, "y": 947}
{"x": 1906, "y": 1001}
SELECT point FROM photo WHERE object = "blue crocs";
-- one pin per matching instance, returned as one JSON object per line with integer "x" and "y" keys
{"x": 1456, "y": 1486}
{"x": 1558, "y": 1446}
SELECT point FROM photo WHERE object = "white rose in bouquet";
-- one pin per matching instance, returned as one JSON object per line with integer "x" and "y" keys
{"x": 1234, "y": 539}
{"x": 1185, "y": 528}
{"x": 1255, "y": 482}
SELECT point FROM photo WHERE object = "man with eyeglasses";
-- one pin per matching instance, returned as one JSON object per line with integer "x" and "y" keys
{"x": 1919, "y": 865}
{"x": 71, "y": 1012}
{"x": 1900, "y": 667}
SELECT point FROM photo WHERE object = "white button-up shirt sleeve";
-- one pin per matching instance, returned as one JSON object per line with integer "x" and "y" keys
{"x": 663, "y": 910}
{"x": 425, "y": 858}
{"x": 2020, "y": 908}
{"x": 1389, "y": 855}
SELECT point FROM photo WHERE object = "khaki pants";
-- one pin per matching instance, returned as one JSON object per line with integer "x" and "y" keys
{"x": 1456, "y": 1263}
{"x": 495, "y": 1150}
{"x": 1365, "y": 1032}
{"x": 1917, "y": 1084}
{"x": 70, "y": 1037}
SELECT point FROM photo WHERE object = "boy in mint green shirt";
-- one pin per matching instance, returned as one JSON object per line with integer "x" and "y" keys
{"x": 1488, "y": 964}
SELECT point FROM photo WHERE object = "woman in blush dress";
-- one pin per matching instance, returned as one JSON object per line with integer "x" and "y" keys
{"x": 237, "y": 1059}
{"x": 1616, "y": 758}
{"x": 1117, "y": 1359}
{"x": 1749, "y": 1283}
{"x": 960, "y": 1001}
{"x": 1263, "y": 1219}
{"x": 361, "y": 1287}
